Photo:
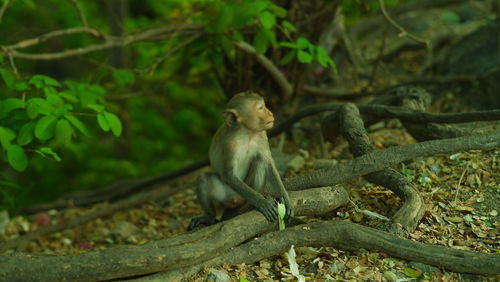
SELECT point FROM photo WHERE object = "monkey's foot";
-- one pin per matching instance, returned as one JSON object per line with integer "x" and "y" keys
{"x": 201, "y": 221}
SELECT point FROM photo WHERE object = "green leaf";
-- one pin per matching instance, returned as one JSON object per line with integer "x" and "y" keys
{"x": 114, "y": 122}
{"x": 41, "y": 105}
{"x": 77, "y": 123}
{"x": 8, "y": 77}
{"x": 302, "y": 43}
{"x": 103, "y": 122}
{"x": 6, "y": 136}
{"x": 54, "y": 99}
{"x": 238, "y": 37}
{"x": 277, "y": 10}
{"x": 258, "y": 6}
{"x": 47, "y": 152}
{"x": 69, "y": 96}
{"x": 288, "y": 57}
{"x": 21, "y": 86}
{"x": 44, "y": 128}
{"x": 26, "y": 133}
{"x": 10, "y": 104}
{"x": 40, "y": 81}
{"x": 261, "y": 42}
{"x": 123, "y": 77}
{"x": 224, "y": 18}
{"x": 323, "y": 57}
{"x": 271, "y": 36}
{"x": 411, "y": 272}
{"x": 1, "y": 59}
{"x": 267, "y": 19}
{"x": 32, "y": 110}
{"x": 226, "y": 44}
{"x": 288, "y": 44}
{"x": 288, "y": 26}
{"x": 304, "y": 57}
{"x": 49, "y": 90}
{"x": 63, "y": 132}
{"x": 17, "y": 158}
{"x": 63, "y": 110}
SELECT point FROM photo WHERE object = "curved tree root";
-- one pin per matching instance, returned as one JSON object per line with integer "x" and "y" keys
{"x": 407, "y": 218}
{"x": 379, "y": 160}
{"x": 346, "y": 236}
{"x": 179, "y": 251}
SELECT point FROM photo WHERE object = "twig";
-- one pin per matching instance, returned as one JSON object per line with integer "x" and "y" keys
{"x": 80, "y": 12}
{"x": 458, "y": 184}
{"x": 3, "y": 9}
{"x": 13, "y": 65}
{"x": 379, "y": 57}
{"x": 56, "y": 33}
{"x": 368, "y": 212}
{"x": 402, "y": 31}
{"x": 110, "y": 42}
{"x": 170, "y": 52}
{"x": 277, "y": 75}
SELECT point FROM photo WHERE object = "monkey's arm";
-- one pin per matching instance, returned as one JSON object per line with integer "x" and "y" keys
{"x": 263, "y": 205}
{"x": 277, "y": 185}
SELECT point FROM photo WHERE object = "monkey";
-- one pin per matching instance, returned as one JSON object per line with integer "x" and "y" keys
{"x": 243, "y": 169}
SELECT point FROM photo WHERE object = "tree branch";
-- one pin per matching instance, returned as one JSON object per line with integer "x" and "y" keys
{"x": 110, "y": 41}
{"x": 3, "y": 9}
{"x": 267, "y": 64}
{"x": 56, "y": 33}
{"x": 80, "y": 12}
{"x": 402, "y": 31}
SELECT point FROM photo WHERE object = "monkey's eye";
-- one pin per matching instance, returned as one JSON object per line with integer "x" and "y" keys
{"x": 260, "y": 107}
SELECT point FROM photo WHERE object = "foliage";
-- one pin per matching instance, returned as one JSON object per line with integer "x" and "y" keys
{"x": 59, "y": 119}
{"x": 40, "y": 115}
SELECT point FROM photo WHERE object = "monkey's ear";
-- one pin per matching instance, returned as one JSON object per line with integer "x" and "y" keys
{"x": 231, "y": 118}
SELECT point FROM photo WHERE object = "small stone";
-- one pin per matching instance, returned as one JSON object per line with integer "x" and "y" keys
{"x": 217, "y": 275}
{"x": 297, "y": 163}
{"x": 492, "y": 213}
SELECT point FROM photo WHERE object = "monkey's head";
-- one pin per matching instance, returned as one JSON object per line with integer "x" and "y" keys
{"x": 249, "y": 110}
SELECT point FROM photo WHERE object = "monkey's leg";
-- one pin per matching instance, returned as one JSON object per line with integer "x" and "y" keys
{"x": 215, "y": 198}
{"x": 203, "y": 195}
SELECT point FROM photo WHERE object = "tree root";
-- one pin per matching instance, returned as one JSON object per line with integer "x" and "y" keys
{"x": 179, "y": 251}
{"x": 346, "y": 236}
{"x": 407, "y": 218}
{"x": 379, "y": 160}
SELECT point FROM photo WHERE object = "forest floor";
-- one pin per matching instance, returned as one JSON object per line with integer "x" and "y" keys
{"x": 461, "y": 192}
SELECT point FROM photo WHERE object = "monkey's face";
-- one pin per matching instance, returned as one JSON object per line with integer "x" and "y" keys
{"x": 258, "y": 116}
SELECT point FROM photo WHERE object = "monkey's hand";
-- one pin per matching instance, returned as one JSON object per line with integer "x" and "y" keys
{"x": 289, "y": 210}
{"x": 267, "y": 207}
